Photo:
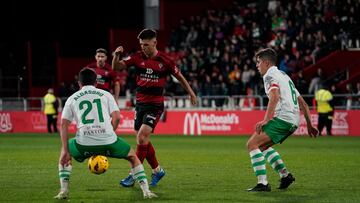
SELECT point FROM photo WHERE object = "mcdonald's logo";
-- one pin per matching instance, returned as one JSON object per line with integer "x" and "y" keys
{"x": 191, "y": 122}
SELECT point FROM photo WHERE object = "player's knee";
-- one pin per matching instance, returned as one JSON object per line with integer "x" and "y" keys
{"x": 143, "y": 138}
{"x": 251, "y": 145}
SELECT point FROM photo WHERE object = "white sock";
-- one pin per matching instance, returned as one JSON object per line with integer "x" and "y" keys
{"x": 157, "y": 169}
{"x": 140, "y": 176}
{"x": 258, "y": 163}
{"x": 64, "y": 175}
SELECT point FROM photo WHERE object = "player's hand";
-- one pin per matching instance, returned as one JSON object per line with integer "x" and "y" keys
{"x": 313, "y": 132}
{"x": 65, "y": 158}
{"x": 259, "y": 126}
{"x": 119, "y": 50}
{"x": 193, "y": 99}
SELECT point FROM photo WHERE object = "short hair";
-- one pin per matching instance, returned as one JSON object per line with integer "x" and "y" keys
{"x": 147, "y": 34}
{"x": 87, "y": 76}
{"x": 268, "y": 54}
{"x": 101, "y": 50}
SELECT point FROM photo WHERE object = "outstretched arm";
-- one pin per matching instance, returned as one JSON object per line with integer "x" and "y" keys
{"x": 65, "y": 158}
{"x": 313, "y": 132}
{"x": 116, "y": 63}
{"x": 184, "y": 83}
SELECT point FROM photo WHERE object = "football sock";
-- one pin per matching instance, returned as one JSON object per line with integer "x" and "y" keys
{"x": 258, "y": 164}
{"x": 140, "y": 176}
{"x": 64, "y": 175}
{"x": 151, "y": 158}
{"x": 274, "y": 159}
{"x": 141, "y": 151}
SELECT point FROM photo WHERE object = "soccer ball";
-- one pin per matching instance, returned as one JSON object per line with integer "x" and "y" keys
{"x": 98, "y": 164}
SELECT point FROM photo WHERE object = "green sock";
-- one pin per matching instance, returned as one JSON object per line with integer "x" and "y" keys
{"x": 274, "y": 159}
{"x": 258, "y": 164}
{"x": 64, "y": 175}
{"x": 140, "y": 176}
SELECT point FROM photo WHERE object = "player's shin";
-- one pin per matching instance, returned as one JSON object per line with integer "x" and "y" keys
{"x": 151, "y": 159}
{"x": 258, "y": 164}
{"x": 64, "y": 175}
{"x": 140, "y": 176}
{"x": 274, "y": 159}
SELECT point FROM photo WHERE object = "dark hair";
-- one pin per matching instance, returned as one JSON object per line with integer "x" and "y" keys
{"x": 268, "y": 54}
{"x": 87, "y": 76}
{"x": 101, "y": 50}
{"x": 147, "y": 34}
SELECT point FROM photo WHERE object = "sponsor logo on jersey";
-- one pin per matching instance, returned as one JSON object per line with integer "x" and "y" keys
{"x": 149, "y": 71}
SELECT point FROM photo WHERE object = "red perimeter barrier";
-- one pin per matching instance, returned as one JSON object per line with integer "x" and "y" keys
{"x": 227, "y": 123}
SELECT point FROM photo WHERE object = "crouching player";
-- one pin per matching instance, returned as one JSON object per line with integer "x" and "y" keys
{"x": 97, "y": 116}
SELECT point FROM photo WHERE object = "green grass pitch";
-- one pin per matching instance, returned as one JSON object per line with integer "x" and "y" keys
{"x": 199, "y": 169}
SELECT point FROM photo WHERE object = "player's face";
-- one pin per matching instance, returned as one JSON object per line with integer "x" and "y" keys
{"x": 100, "y": 59}
{"x": 261, "y": 65}
{"x": 148, "y": 46}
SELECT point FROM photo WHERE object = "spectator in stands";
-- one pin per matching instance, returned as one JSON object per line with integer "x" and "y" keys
{"x": 316, "y": 81}
{"x": 325, "y": 109}
{"x": 249, "y": 102}
{"x": 50, "y": 110}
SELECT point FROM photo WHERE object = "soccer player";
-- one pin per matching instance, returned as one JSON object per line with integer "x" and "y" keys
{"x": 281, "y": 120}
{"x": 97, "y": 116}
{"x": 152, "y": 67}
{"x": 106, "y": 78}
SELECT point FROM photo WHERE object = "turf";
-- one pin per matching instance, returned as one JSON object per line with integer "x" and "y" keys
{"x": 199, "y": 169}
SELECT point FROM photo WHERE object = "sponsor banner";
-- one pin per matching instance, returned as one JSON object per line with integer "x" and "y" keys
{"x": 187, "y": 123}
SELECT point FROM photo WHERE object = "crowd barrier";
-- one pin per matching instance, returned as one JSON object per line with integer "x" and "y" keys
{"x": 187, "y": 123}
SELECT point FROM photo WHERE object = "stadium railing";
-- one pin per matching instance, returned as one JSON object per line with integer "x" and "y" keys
{"x": 238, "y": 102}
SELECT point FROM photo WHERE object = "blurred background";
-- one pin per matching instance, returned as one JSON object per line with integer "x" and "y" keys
{"x": 44, "y": 45}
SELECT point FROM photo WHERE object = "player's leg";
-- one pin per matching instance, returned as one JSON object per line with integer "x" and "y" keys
{"x": 145, "y": 148}
{"x": 258, "y": 160}
{"x": 150, "y": 118}
{"x": 278, "y": 131}
{"x": 275, "y": 161}
{"x": 137, "y": 169}
{"x": 121, "y": 149}
{"x": 65, "y": 171}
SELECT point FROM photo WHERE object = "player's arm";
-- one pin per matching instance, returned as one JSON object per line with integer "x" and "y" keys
{"x": 184, "y": 83}
{"x": 116, "y": 63}
{"x": 65, "y": 157}
{"x": 313, "y": 132}
{"x": 116, "y": 90}
{"x": 274, "y": 97}
{"x": 115, "y": 119}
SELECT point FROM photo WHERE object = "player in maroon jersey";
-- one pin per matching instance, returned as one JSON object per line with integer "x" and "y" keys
{"x": 106, "y": 78}
{"x": 152, "y": 67}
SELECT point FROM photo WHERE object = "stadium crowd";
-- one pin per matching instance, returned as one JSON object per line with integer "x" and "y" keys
{"x": 215, "y": 50}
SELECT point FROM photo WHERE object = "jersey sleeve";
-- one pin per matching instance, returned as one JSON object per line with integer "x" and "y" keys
{"x": 270, "y": 82}
{"x": 130, "y": 60}
{"x": 67, "y": 112}
{"x": 174, "y": 70}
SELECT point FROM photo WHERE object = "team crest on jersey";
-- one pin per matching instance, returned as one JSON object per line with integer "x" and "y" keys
{"x": 149, "y": 71}
{"x": 161, "y": 65}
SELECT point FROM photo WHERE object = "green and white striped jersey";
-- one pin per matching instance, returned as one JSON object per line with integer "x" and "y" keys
{"x": 287, "y": 108}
